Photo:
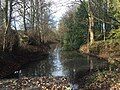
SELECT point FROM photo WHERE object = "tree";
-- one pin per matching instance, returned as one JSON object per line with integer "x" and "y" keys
{"x": 1, "y": 15}
{"x": 24, "y": 15}
{"x": 91, "y": 23}
{"x": 10, "y": 16}
{"x": 32, "y": 14}
{"x": 114, "y": 10}
{"x": 6, "y": 22}
{"x": 7, "y": 37}
{"x": 75, "y": 25}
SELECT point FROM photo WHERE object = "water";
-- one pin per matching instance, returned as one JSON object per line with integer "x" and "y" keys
{"x": 70, "y": 64}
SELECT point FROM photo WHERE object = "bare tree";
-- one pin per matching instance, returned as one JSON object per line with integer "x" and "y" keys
{"x": 10, "y": 15}
{"x": 6, "y": 23}
{"x": 7, "y": 20}
{"x": 24, "y": 15}
{"x": 32, "y": 14}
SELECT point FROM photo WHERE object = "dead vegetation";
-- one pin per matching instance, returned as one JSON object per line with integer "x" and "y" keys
{"x": 109, "y": 50}
{"x": 107, "y": 80}
{"x": 37, "y": 83}
{"x": 18, "y": 53}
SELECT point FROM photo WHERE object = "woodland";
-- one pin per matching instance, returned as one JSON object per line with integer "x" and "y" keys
{"x": 28, "y": 28}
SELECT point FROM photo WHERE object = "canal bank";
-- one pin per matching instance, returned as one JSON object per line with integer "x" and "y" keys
{"x": 12, "y": 61}
{"x": 108, "y": 50}
{"x": 70, "y": 64}
{"x": 59, "y": 63}
{"x": 107, "y": 79}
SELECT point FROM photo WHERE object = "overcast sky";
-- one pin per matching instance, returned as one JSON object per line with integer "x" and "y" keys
{"x": 61, "y": 6}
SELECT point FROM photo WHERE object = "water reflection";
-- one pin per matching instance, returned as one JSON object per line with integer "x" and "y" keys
{"x": 90, "y": 63}
{"x": 63, "y": 63}
{"x": 58, "y": 67}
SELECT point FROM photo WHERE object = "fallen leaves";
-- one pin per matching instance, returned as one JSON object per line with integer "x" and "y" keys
{"x": 37, "y": 83}
{"x": 107, "y": 80}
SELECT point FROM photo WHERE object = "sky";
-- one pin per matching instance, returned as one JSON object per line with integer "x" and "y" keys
{"x": 60, "y": 7}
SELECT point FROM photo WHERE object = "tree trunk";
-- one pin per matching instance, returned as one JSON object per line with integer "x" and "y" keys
{"x": 91, "y": 23}
{"x": 6, "y": 12}
{"x": 11, "y": 42}
{"x": 37, "y": 21}
{"x": 10, "y": 16}
{"x": 41, "y": 21}
{"x": 24, "y": 12}
{"x": 32, "y": 14}
{"x": 0, "y": 4}
{"x": 6, "y": 24}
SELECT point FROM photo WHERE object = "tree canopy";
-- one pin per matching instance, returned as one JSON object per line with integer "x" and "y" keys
{"x": 100, "y": 16}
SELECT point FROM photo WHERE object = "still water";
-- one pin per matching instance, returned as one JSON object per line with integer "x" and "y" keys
{"x": 70, "y": 64}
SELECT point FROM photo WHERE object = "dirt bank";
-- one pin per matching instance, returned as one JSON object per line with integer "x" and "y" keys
{"x": 104, "y": 80}
{"x": 109, "y": 50}
{"x": 11, "y": 61}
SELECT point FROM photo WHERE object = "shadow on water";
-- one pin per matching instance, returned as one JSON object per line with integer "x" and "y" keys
{"x": 70, "y": 64}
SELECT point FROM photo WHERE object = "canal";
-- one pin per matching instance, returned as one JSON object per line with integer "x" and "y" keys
{"x": 70, "y": 64}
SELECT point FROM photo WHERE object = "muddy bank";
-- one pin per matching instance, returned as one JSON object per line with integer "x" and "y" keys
{"x": 12, "y": 61}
